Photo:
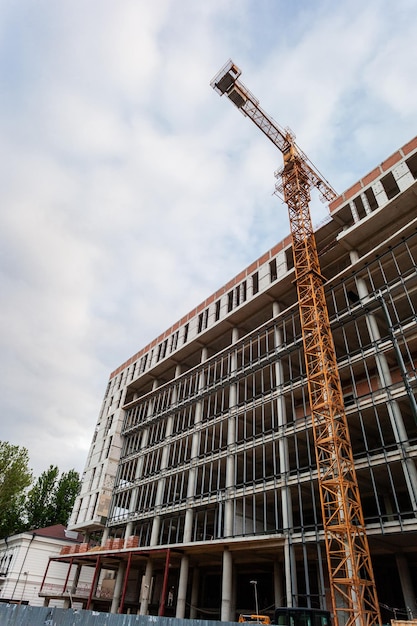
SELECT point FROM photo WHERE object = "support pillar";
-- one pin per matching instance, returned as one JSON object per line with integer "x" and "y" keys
{"x": 118, "y": 587}
{"x": 194, "y": 593}
{"x": 225, "y": 615}
{"x": 409, "y": 592}
{"x": 284, "y": 466}
{"x": 182, "y": 588}
{"x": 278, "y": 584}
{"x": 94, "y": 583}
{"x": 146, "y": 588}
{"x": 231, "y": 445}
{"x": 105, "y": 536}
{"x": 128, "y": 532}
{"x": 195, "y": 445}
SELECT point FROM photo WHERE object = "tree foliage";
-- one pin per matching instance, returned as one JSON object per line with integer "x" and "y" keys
{"x": 48, "y": 501}
{"x": 15, "y": 477}
{"x": 51, "y": 498}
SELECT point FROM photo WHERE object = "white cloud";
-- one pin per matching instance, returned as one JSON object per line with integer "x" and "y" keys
{"x": 130, "y": 191}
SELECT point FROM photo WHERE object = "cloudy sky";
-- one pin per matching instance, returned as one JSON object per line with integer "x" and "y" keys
{"x": 130, "y": 191}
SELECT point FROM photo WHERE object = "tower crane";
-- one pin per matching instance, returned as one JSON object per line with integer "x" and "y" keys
{"x": 352, "y": 583}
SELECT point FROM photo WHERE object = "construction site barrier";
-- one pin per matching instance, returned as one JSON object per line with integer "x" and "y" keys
{"x": 26, "y": 615}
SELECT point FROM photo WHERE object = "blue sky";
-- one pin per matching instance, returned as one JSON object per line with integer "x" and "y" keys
{"x": 130, "y": 191}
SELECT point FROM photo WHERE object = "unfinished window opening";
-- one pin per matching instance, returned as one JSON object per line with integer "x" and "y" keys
{"x": 255, "y": 282}
{"x": 229, "y": 301}
{"x": 412, "y": 164}
{"x": 289, "y": 257}
{"x": 174, "y": 341}
{"x": 186, "y": 327}
{"x": 390, "y": 185}
{"x": 370, "y": 196}
{"x": 348, "y": 399}
{"x": 237, "y": 295}
{"x": 243, "y": 291}
{"x": 360, "y": 208}
{"x": 217, "y": 310}
{"x": 273, "y": 270}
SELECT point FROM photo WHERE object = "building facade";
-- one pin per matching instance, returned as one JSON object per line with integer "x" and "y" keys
{"x": 201, "y": 481}
{"x": 24, "y": 557}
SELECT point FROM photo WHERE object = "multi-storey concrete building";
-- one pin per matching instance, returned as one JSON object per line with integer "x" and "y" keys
{"x": 201, "y": 481}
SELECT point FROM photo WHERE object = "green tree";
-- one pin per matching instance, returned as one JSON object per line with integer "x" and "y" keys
{"x": 67, "y": 489}
{"x": 15, "y": 477}
{"x": 51, "y": 498}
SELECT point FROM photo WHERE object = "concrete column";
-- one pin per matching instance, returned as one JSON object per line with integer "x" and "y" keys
{"x": 118, "y": 587}
{"x": 231, "y": 444}
{"x": 195, "y": 445}
{"x": 139, "y": 467}
{"x": 182, "y": 587}
{"x": 384, "y": 374}
{"x": 194, "y": 593}
{"x": 76, "y": 579}
{"x": 225, "y": 615}
{"x": 284, "y": 468}
{"x": 278, "y": 584}
{"x": 146, "y": 588}
{"x": 128, "y": 532}
{"x": 105, "y": 536}
{"x": 159, "y": 498}
{"x": 409, "y": 591}
{"x": 156, "y": 525}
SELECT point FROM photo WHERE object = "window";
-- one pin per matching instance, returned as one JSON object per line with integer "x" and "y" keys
{"x": 229, "y": 301}
{"x": 360, "y": 208}
{"x": 412, "y": 164}
{"x": 390, "y": 185}
{"x": 370, "y": 196}
{"x": 203, "y": 320}
{"x": 174, "y": 341}
{"x": 186, "y": 333}
{"x": 217, "y": 311}
{"x": 255, "y": 282}
{"x": 273, "y": 270}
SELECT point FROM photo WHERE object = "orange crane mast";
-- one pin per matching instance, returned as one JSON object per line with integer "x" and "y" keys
{"x": 352, "y": 584}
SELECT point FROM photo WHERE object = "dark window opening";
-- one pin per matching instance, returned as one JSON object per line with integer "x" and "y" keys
{"x": 348, "y": 399}
{"x": 289, "y": 258}
{"x": 237, "y": 292}
{"x": 186, "y": 333}
{"x": 217, "y": 312}
{"x": 370, "y": 196}
{"x": 255, "y": 282}
{"x": 229, "y": 301}
{"x": 200, "y": 323}
{"x": 203, "y": 320}
{"x": 273, "y": 270}
{"x": 360, "y": 209}
{"x": 412, "y": 164}
{"x": 174, "y": 341}
{"x": 390, "y": 185}
{"x": 353, "y": 297}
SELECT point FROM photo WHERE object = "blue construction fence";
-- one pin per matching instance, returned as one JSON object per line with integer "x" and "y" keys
{"x": 26, "y": 615}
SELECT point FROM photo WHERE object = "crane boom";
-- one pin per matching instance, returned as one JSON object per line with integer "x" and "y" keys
{"x": 351, "y": 577}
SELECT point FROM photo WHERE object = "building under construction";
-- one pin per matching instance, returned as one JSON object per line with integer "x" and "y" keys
{"x": 200, "y": 494}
